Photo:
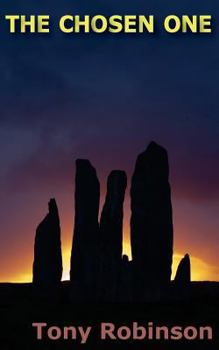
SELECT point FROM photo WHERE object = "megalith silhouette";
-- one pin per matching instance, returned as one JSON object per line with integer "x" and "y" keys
{"x": 151, "y": 222}
{"x": 47, "y": 266}
{"x": 183, "y": 273}
{"x": 85, "y": 248}
{"x": 111, "y": 235}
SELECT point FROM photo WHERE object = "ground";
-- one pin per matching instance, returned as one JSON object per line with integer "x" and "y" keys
{"x": 19, "y": 309}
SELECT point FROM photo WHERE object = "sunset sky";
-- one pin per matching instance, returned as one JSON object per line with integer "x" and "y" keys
{"x": 104, "y": 98}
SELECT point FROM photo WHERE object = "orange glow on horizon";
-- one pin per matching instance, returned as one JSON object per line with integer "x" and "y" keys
{"x": 200, "y": 269}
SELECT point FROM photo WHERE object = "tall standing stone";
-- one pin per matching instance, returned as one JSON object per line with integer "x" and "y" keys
{"x": 47, "y": 266}
{"x": 151, "y": 222}
{"x": 111, "y": 235}
{"x": 85, "y": 249}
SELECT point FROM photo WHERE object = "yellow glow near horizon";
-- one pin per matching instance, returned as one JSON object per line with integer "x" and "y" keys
{"x": 200, "y": 269}
{"x": 66, "y": 256}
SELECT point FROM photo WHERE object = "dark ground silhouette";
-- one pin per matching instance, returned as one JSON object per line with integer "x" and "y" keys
{"x": 19, "y": 309}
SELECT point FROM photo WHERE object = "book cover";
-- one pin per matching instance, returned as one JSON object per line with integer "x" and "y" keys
{"x": 109, "y": 134}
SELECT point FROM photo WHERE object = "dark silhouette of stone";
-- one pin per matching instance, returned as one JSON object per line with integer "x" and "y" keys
{"x": 85, "y": 249}
{"x": 151, "y": 223}
{"x": 111, "y": 234}
{"x": 125, "y": 290}
{"x": 47, "y": 266}
{"x": 183, "y": 274}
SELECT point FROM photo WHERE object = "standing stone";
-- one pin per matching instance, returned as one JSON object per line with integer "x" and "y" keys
{"x": 47, "y": 266}
{"x": 111, "y": 235}
{"x": 126, "y": 286}
{"x": 151, "y": 223}
{"x": 183, "y": 274}
{"x": 85, "y": 252}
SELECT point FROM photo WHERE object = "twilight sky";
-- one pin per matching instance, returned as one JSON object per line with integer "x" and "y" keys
{"x": 105, "y": 97}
